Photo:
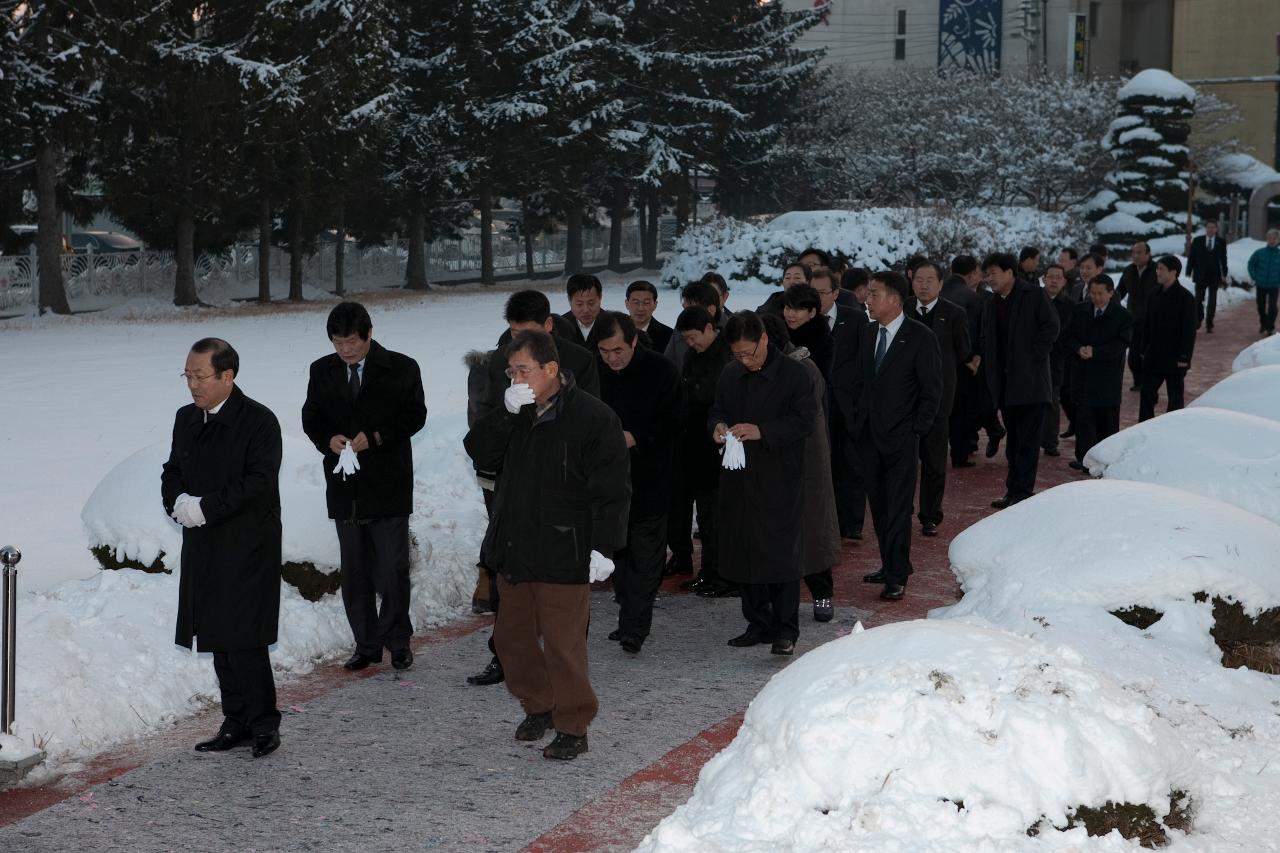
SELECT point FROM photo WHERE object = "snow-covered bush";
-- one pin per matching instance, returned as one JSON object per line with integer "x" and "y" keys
{"x": 1255, "y": 391}
{"x": 1258, "y": 354}
{"x": 875, "y": 238}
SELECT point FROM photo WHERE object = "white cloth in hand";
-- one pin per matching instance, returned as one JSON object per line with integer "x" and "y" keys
{"x": 516, "y": 397}
{"x": 348, "y": 464}
{"x": 601, "y": 567}
{"x": 187, "y": 511}
{"x": 735, "y": 453}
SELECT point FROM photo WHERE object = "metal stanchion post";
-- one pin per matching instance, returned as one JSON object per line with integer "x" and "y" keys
{"x": 9, "y": 556}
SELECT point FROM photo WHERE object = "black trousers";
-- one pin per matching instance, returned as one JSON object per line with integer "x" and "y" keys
{"x": 1211, "y": 291}
{"x": 688, "y": 492}
{"x": 1067, "y": 401}
{"x": 821, "y": 584}
{"x": 933, "y": 471}
{"x": 846, "y": 477}
{"x": 248, "y": 691}
{"x": 1266, "y": 298}
{"x": 891, "y": 490}
{"x": 375, "y": 562}
{"x": 1174, "y": 382}
{"x": 1052, "y": 420}
{"x": 1022, "y": 448}
{"x": 1136, "y": 345}
{"x": 1093, "y": 424}
{"x": 494, "y": 597}
{"x": 638, "y": 573}
{"x": 772, "y": 609}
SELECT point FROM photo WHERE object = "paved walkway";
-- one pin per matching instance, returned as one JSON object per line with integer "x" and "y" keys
{"x": 373, "y": 761}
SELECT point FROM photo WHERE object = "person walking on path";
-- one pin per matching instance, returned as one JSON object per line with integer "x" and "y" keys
{"x": 1264, "y": 269}
{"x": 222, "y": 484}
{"x": 364, "y": 404}
{"x": 1055, "y": 287}
{"x": 1207, "y": 266}
{"x": 1097, "y": 338}
{"x": 1137, "y": 283}
{"x": 1169, "y": 339}
{"x": 560, "y": 505}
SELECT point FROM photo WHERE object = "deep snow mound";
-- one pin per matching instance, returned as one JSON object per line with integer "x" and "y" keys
{"x": 1255, "y": 392}
{"x": 1258, "y": 354}
{"x": 928, "y": 735}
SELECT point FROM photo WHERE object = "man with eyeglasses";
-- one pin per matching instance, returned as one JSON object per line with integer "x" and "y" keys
{"x": 560, "y": 507}
{"x": 365, "y": 399}
{"x": 222, "y": 484}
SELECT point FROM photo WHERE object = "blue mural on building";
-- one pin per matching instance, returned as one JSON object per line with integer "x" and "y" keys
{"x": 969, "y": 35}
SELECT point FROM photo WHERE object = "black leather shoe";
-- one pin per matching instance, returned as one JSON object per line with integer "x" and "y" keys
{"x": 223, "y": 741}
{"x": 993, "y": 444}
{"x": 694, "y": 584}
{"x": 717, "y": 589}
{"x": 783, "y": 647}
{"x": 875, "y": 577}
{"x": 402, "y": 659}
{"x": 1070, "y": 431}
{"x": 1052, "y": 451}
{"x": 893, "y": 592}
{"x": 677, "y": 566}
{"x": 360, "y": 661}
{"x": 614, "y": 636}
{"x": 823, "y": 610}
{"x": 964, "y": 463}
{"x": 266, "y": 744}
{"x": 928, "y": 528}
{"x": 491, "y": 674}
{"x": 630, "y": 644}
{"x": 533, "y": 726}
{"x": 1002, "y": 503}
{"x": 747, "y": 639}
{"x": 565, "y": 747}
{"x": 1075, "y": 465}
{"x": 855, "y": 534}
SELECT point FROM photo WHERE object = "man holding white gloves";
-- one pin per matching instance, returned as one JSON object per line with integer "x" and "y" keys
{"x": 221, "y": 483}
{"x": 560, "y": 506}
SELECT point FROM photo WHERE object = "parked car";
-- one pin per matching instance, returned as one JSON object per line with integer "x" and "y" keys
{"x": 103, "y": 242}
{"x": 20, "y": 238}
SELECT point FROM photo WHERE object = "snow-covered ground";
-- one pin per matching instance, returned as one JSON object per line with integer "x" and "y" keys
{"x": 1255, "y": 391}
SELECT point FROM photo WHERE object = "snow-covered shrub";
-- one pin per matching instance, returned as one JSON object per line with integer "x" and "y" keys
{"x": 1258, "y": 354}
{"x": 1255, "y": 391}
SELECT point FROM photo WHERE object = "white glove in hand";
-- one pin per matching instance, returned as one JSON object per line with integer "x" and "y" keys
{"x": 735, "y": 454}
{"x": 348, "y": 464}
{"x": 187, "y": 512}
{"x": 601, "y": 567}
{"x": 516, "y": 397}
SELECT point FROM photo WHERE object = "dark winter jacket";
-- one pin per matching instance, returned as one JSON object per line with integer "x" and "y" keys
{"x": 1169, "y": 337}
{"x": 1098, "y": 381}
{"x": 645, "y": 395}
{"x": 389, "y": 410}
{"x": 1264, "y": 267}
{"x": 815, "y": 336}
{"x": 563, "y": 491}
{"x": 950, "y": 325}
{"x": 1060, "y": 355}
{"x": 1021, "y": 377}
{"x": 1137, "y": 288}
{"x": 698, "y": 454}
{"x": 573, "y": 358}
{"x": 229, "y": 578}
{"x": 657, "y": 336}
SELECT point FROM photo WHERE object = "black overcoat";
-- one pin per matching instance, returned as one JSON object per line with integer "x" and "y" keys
{"x": 1098, "y": 381}
{"x": 1060, "y": 355}
{"x": 1023, "y": 379}
{"x": 1170, "y": 333}
{"x": 950, "y": 325}
{"x": 645, "y": 395}
{"x": 698, "y": 454}
{"x": 761, "y": 507}
{"x": 1138, "y": 288}
{"x": 229, "y": 576}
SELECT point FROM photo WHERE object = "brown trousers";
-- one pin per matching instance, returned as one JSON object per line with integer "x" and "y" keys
{"x": 550, "y": 675}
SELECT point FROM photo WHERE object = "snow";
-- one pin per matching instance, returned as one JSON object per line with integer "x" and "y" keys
{"x": 1155, "y": 83}
{"x": 1255, "y": 391}
{"x": 1242, "y": 170}
{"x": 1126, "y": 223}
{"x": 1141, "y": 132}
{"x": 1216, "y": 453}
{"x": 1258, "y": 354}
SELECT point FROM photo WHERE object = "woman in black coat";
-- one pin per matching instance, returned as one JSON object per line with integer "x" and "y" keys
{"x": 802, "y": 311}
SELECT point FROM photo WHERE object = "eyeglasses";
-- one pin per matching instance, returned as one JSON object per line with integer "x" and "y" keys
{"x": 519, "y": 372}
{"x": 195, "y": 378}
{"x": 743, "y": 356}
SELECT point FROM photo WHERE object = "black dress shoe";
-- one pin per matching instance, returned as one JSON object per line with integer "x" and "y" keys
{"x": 717, "y": 589}
{"x": 677, "y": 566}
{"x": 223, "y": 741}
{"x": 1002, "y": 503}
{"x": 1052, "y": 451}
{"x": 533, "y": 726}
{"x": 1076, "y": 465}
{"x": 631, "y": 644}
{"x": 693, "y": 585}
{"x": 360, "y": 661}
{"x": 964, "y": 463}
{"x": 614, "y": 636}
{"x": 993, "y": 443}
{"x": 747, "y": 639}
{"x": 783, "y": 647}
{"x": 1133, "y": 387}
{"x": 928, "y": 528}
{"x": 565, "y": 747}
{"x": 265, "y": 744}
{"x": 893, "y": 592}
{"x": 402, "y": 659}
{"x": 1070, "y": 431}
{"x": 875, "y": 577}
{"x": 491, "y": 674}
{"x": 855, "y": 534}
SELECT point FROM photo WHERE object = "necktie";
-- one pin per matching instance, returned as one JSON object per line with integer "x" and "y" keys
{"x": 353, "y": 382}
{"x": 1209, "y": 244}
{"x": 881, "y": 345}
{"x": 924, "y": 312}
{"x": 1097, "y": 313}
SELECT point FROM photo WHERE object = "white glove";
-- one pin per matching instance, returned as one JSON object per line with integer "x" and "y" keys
{"x": 187, "y": 512}
{"x": 516, "y": 397}
{"x": 348, "y": 464}
{"x": 601, "y": 567}
{"x": 735, "y": 453}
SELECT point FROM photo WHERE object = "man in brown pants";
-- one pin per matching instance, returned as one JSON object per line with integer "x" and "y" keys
{"x": 560, "y": 505}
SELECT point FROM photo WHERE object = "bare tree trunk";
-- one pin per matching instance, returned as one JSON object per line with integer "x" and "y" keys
{"x": 53, "y": 292}
{"x": 573, "y": 239}
{"x": 649, "y": 249}
{"x": 184, "y": 258}
{"x": 340, "y": 250}
{"x": 682, "y": 202}
{"x": 295, "y": 251}
{"x": 616, "y": 215}
{"x": 486, "y": 232}
{"x": 416, "y": 274}
{"x": 264, "y": 248}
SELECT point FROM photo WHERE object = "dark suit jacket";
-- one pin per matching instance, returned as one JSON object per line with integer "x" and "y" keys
{"x": 1138, "y": 290}
{"x": 1024, "y": 377}
{"x": 950, "y": 325}
{"x": 659, "y": 335}
{"x": 1098, "y": 381}
{"x": 1059, "y": 355}
{"x": 899, "y": 401}
{"x": 591, "y": 342}
{"x": 645, "y": 396}
{"x": 1207, "y": 267}
{"x": 845, "y": 314}
{"x": 391, "y": 407}
{"x": 1170, "y": 333}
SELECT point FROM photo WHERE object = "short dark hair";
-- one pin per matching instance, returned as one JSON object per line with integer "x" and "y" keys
{"x": 1103, "y": 278}
{"x": 580, "y": 281}
{"x": 1070, "y": 253}
{"x": 700, "y": 293}
{"x": 855, "y": 277}
{"x": 1213, "y": 220}
{"x": 1142, "y": 243}
{"x": 717, "y": 281}
{"x": 1099, "y": 249}
{"x": 937, "y": 268}
{"x": 347, "y": 319}
{"x": 540, "y": 345}
{"x": 963, "y": 264}
{"x": 798, "y": 266}
{"x": 696, "y": 318}
{"x": 1056, "y": 267}
{"x": 1003, "y": 260}
{"x": 224, "y": 356}
{"x": 1027, "y": 253}
{"x": 914, "y": 262}
{"x": 776, "y": 328}
{"x": 609, "y": 323}
{"x": 895, "y": 281}
{"x": 802, "y": 296}
{"x": 743, "y": 326}
{"x": 824, "y": 260}
{"x": 1100, "y": 261}
{"x": 527, "y": 306}
{"x": 825, "y": 273}
{"x": 1171, "y": 262}
{"x": 647, "y": 287}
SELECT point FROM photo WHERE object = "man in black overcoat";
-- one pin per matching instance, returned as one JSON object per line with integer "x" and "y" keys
{"x": 222, "y": 484}
{"x": 642, "y": 301}
{"x": 1169, "y": 339}
{"x": 1137, "y": 282}
{"x": 368, "y": 399}
{"x": 1098, "y": 335}
{"x": 1207, "y": 266}
{"x": 1055, "y": 287}
{"x": 889, "y": 387}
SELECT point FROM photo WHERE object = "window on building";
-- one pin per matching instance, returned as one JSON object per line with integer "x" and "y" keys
{"x": 900, "y": 40}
